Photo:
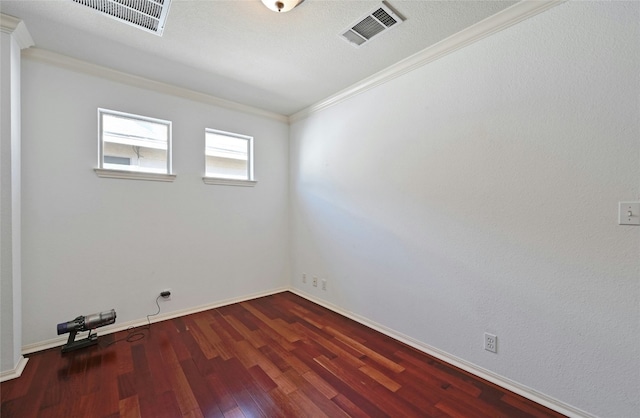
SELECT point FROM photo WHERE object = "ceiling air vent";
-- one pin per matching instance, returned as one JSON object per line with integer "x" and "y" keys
{"x": 379, "y": 20}
{"x": 149, "y": 15}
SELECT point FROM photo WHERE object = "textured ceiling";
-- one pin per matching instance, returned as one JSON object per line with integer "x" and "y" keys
{"x": 239, "y": 50}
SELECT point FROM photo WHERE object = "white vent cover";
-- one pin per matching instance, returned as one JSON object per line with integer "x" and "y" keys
{"x": 149, "y": 15}
{"x": 381, "y": 19}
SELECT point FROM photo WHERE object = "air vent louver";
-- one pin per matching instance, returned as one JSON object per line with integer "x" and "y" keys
{"x": 374, "y": 23}
{"x": 384, "y": 17}
{"x": 368, "y": 28}
{"x": 149, "y": 15}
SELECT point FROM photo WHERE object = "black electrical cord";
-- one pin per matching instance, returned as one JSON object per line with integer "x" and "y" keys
{"x": 137, "y": 333}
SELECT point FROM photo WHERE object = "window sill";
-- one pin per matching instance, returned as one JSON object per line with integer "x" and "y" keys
{"x": 229, "y": 182}
{"x": 133, "y": 175}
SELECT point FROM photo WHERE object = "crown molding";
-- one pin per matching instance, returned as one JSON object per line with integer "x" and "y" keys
{"x": 501, "y": 20}
{"x": 85, "y": 67}
{"x": 16, "y": 27}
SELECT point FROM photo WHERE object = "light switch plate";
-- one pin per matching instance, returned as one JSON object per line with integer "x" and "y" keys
{"x": 629, "y": 213}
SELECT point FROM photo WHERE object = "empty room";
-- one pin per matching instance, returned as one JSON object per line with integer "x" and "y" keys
{"x": 320, "y": 208}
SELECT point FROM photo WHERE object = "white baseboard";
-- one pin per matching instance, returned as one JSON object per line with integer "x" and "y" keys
{"x": 16, "y": 372}
{"x": 55, "y": 342}
{"x": 478, "y": 371}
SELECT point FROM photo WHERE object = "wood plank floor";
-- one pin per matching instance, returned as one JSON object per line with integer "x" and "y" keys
{"x": 276, "y": 356}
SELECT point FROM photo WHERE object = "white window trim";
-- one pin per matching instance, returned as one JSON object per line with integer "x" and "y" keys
{"x": 133, "y": 175}
{"x": 101, "y": 171}
{"x": 228, "y": 182}
{"x": 223, "y": 181}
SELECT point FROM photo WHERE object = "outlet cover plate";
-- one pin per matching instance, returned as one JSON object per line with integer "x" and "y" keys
{"x": 629, "y": 213}
{"x": 490, "y": 342}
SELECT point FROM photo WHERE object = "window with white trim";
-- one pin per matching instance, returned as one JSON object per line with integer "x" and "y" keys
{"x": 134, "y": 146}
{"x": 228, "y": 158}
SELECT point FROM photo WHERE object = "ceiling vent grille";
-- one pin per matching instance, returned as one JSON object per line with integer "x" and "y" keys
{"x": 149, "y": 15}
{"x": 379, "y": 20}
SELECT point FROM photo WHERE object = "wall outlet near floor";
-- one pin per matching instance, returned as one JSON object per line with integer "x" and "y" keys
{"x": 304, "y": 278}
{"x": 165, "y": 294}
{"x": 490, "y": 342}
{"x": 315, "y": 282}
{"x": 324, "y": 284}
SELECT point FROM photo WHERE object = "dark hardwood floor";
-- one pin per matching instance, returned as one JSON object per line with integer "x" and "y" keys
{"x": 276, "y": 356}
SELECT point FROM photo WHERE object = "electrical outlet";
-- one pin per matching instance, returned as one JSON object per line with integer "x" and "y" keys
{"x": 315, "y": 282}
{"x": 324, "y": 284}
{"x": 304, "y": 278}
{"x": 629, "y": 213}
{"x": 490, "y": 342}
{"x": 166, "y": 294}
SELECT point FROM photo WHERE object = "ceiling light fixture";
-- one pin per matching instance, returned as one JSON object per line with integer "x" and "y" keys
{"x": 281, "y": 5}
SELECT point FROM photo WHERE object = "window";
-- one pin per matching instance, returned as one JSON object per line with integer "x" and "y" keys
{"x": 133, "y": 146}
{"x": 228, "y": 158}
{"x": 117, "y": 160}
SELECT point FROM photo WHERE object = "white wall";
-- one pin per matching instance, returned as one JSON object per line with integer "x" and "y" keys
{"x": 92, "y": 244}
{"x": 479, "y": 193}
